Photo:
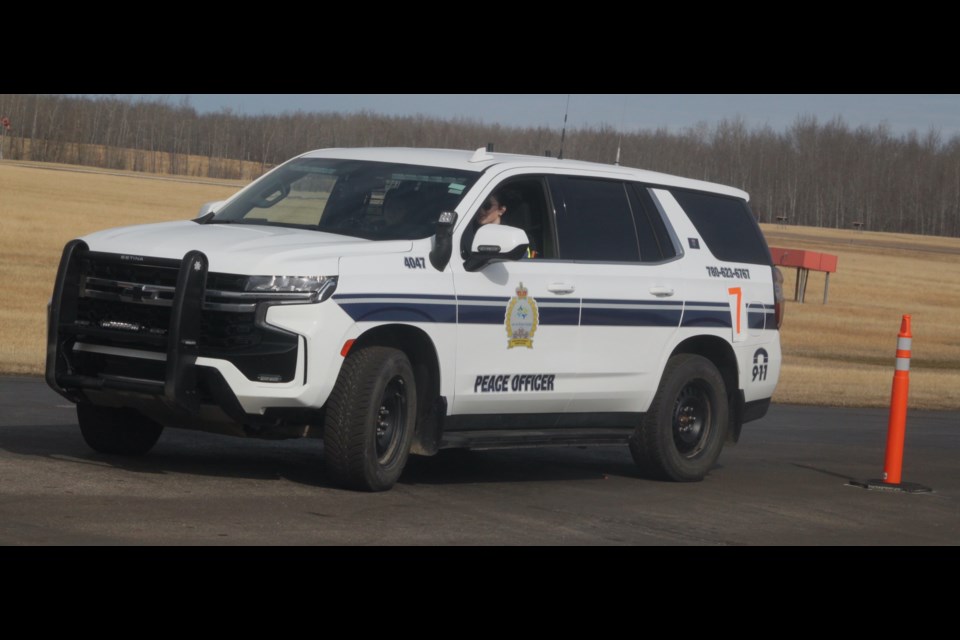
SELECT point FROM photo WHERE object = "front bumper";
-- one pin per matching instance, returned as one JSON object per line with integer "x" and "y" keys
{"x": 97, "y": 362}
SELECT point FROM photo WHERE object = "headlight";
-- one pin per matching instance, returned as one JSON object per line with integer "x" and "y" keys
{"x": 319, "y": 288}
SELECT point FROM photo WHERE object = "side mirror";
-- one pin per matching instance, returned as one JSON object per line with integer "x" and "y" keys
{"x": 442, "y": 245}
{"x": 496, "y": 243}
{"x": 210, "y": 207}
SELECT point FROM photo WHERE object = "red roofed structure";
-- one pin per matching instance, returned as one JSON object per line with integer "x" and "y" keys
{"x": 805, "y": 262}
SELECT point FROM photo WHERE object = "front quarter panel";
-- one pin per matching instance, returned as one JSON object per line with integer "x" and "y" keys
{"x": 402, "y": 289}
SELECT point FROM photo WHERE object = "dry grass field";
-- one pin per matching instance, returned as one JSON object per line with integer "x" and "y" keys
{"x": 96, "y": 155}
{"x": 841, "y": 353}
{"x": 43, "y": 206}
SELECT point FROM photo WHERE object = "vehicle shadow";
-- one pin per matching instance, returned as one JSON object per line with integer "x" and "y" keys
{"x": 301, "y": 460}
{"x": 179, "y": 452}
{"x": 540, "y": 464}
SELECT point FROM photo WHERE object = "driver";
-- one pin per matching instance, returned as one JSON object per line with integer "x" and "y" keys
{"x": 398, "y": 207}
{"x": 492, "y": 210}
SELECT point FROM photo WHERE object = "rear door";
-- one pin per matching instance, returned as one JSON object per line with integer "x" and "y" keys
{"x": 612, "y": 237}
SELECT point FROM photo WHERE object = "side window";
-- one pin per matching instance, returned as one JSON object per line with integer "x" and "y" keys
{"x": 594, "y": 220}
{"x": 726, "y": 224}
{"x": 526, "y": 207}
{"x": 652, "y": 234}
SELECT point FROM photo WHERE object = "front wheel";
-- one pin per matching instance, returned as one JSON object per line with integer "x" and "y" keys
{"x": 117, "y": 431}
{"x": 370, "y": 419}
{"x": 681, "y": 436}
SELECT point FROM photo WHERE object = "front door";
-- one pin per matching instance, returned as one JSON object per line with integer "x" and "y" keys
{"x": 517, "y": 322}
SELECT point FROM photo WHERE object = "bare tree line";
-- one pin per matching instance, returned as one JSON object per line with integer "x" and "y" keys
{"x": 814, "y": 173}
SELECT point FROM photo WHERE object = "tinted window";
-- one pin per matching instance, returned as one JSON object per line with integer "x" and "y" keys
{"x": 594, "y": 221}
{"x": 727, "y": 226}
{"x": 655, "y": 244}
{"x": 375, "y": 200}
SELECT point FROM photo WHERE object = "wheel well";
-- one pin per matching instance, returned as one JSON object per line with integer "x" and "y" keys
{"x": 720, "y": 353}
{"x": 421, "y": 352}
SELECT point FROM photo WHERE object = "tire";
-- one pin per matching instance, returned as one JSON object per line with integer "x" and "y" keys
{"x": 682, "y": 434}
{"x": 370, "y": 419}
{"x": 117, "y": 431}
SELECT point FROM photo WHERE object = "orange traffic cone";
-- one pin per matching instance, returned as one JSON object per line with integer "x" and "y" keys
{"x": 897, "y": 424}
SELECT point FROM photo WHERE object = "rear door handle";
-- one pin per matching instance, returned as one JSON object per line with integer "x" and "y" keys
{"x": 560, "y": 288}
{"x": 661, "y": 292}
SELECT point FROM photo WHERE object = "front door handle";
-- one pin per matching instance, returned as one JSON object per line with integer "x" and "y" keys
{"x": 661, "y": 292}
{"x": 560, "y": 288}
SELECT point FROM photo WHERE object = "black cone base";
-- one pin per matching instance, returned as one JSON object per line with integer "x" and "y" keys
{"x": 880, "y": 485}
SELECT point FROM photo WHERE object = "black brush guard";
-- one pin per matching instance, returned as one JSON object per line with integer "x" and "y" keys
{"x": 179, "y": 387}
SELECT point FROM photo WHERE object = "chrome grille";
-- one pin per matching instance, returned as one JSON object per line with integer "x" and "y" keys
{"x": 136, "y": 292}
{"x": 120, "y": 301}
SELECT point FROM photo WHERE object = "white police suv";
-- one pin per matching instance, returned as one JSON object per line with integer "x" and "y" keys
{"x": 410, "y": 300}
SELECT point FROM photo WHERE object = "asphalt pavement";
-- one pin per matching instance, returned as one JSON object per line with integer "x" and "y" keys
{"x": 786, "y": 483}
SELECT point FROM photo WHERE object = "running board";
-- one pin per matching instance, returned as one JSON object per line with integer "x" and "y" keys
{"x": 513, "y": 438}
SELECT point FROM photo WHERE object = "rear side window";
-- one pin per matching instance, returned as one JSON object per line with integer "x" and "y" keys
{"x": 594, "y": 220}
{"x": 655, "y": 244}
{"x": 727, "y": 226}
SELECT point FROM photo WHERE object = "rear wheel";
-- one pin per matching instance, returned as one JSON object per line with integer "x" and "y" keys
{"x": 681, "y": 436}
{"x": 117, "y": 431}
{"x": 370, "y": 419}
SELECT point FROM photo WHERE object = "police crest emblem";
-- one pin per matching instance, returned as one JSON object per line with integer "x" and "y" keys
{"x": 522, "y": 319}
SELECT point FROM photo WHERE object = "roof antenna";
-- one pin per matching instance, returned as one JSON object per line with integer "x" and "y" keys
{"x": 564, "y": 133}
{"x": 623, "y": 115}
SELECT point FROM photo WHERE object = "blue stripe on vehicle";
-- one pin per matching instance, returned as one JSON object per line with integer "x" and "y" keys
{"x": 377, "y": 307}
{"x": 630, "y": 313}
{"x": 559, "y": 312}
{"x": 568, "y": 312}
{"x": 755, "y": 320}
{"x": 706, "y": 318}
{"x": 394, "y": 296}
{"x": 469, "y": 299}
{"x": 648, "y": 303}
{"x": 481, "y": 310}
{"x": 401, "y": 313}
{"x": 492, "y": 310}
{"x": 611, "y": 317}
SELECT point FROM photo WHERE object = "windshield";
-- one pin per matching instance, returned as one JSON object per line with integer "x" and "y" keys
{"x": 374, "y": 200}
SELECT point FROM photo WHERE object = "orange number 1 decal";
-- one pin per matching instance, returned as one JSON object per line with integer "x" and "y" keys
{"x": 737, "y": 291}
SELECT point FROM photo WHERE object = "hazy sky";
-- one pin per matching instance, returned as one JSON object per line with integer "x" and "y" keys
{"x": 901, "y": 112}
